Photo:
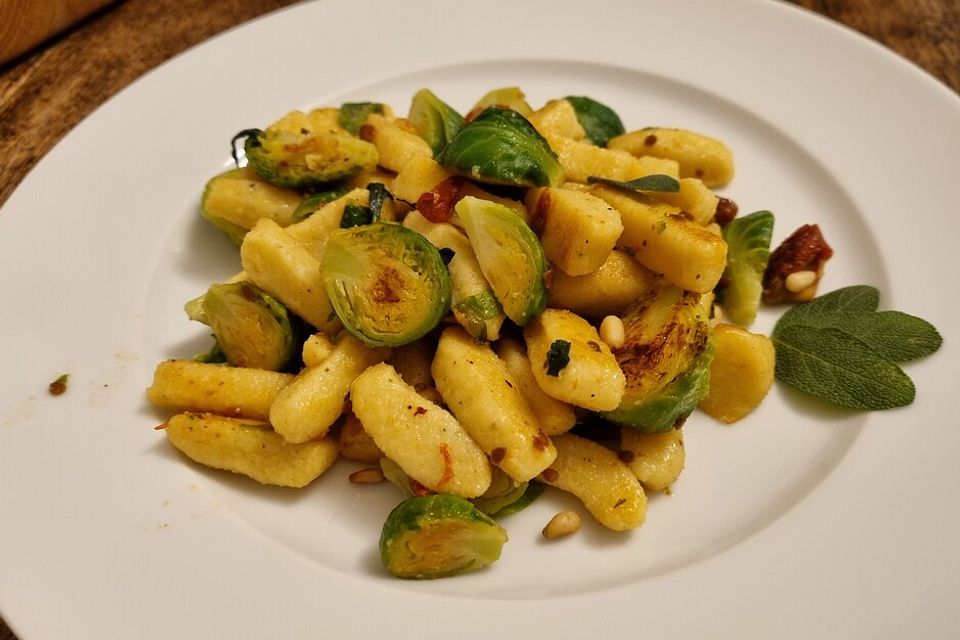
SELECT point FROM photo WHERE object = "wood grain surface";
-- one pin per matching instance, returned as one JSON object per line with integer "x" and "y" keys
{"x": 48, "y": 90}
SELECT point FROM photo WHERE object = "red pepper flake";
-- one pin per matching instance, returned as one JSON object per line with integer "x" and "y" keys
{"x": 419, "y": 411}
{"x": 437, "y": 204}
{"x": 626, "y": 456}
{"x": 650, "y": 140}
{"x": 447, "y": 465}
{"x": 620, "y": 503}
{"x": 497, "y": 455}
{"x": 418, "y": 489}
{"x": 59, "y": 386}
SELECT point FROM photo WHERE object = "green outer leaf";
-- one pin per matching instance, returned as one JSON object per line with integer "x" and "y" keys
{"x": 829, "y": 364}
{"x": 310, "y": 205}
{"x": 502, "y": 147}
{"x": 353, "y": 114}
{"x": 533, "y": 491}
{"x": 654, "y": 182}
{"x": 598, "y": 120}
{"x": 435, "y": 120}
{"x": 476, "y": 311}
{"x": 748, "y": 251}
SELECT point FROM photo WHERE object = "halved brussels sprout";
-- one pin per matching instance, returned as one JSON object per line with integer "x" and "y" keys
{"x": 251, "y": 328}
{"x": 748, "y": 251}
{"x": 435, "y": 120}
{"x": 388, "y": 284}
{"x": 306, "y": 158}
{"x": 506, "y": 97}
{"x": 661, "y": 411}
{"x": 599, "y": 121}
{"x": 665, "y": 357}
{"x": 500, "y": 146}
{"x": 509, "y": 254}
{"x": 438, "y": 535}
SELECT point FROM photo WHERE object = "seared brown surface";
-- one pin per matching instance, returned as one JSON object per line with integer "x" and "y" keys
{"x": 45, "y": 92}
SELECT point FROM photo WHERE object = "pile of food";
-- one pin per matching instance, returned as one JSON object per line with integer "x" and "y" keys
{"x": 476, "y": 308}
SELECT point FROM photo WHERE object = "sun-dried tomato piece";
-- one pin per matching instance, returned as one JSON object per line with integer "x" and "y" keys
{"x": 804, "y": 250}
{"x": 437, "y": 204}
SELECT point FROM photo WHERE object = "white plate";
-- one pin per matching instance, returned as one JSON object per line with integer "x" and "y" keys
{"x": 799, "y": 521}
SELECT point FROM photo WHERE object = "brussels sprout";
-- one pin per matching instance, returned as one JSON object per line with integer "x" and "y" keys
{"x": 310, "y": 205}
{"x": 388, "y": 284}
{"x": 678, "y": 399}
{"x": 438, "y": 535}
{"x": 306, "y": 158}
{"x": 435, "y": 120}
{"x": 500, "y": 146}
{"x": 507, "y": 97}
{"x": 251, "y": 328}
{"x": 748, "y": 251}
{"x": 353, "y": 114}
{"x": 665, "y": 357}
{"x": 509, "y": 254}
{"x": 599, "y": 121}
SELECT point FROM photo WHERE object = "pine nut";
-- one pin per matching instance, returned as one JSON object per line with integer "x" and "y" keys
{"x": 800, "y": 280}
{"x": 612, "y": 332}
{"x": 370, "y": 475}
{"x": 562, "y": 524}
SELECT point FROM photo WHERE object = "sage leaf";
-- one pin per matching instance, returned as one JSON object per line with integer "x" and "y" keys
{"x": 893, "y": 335}
{"x": 858, "y": 298}
{"x": 827, "y": 363}
{"x": 655, "y": 182}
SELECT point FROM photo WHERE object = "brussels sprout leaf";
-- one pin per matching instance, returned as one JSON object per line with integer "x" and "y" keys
{"x": 354, "y": 114}
{"x": 599, "y": 121}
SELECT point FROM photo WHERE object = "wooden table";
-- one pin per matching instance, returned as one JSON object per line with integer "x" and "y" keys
{"x": 45, "y": 92}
